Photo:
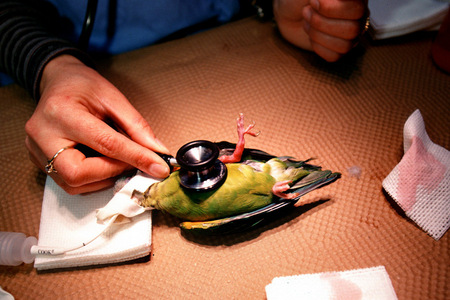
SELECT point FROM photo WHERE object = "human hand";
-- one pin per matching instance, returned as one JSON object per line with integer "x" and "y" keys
{"x": 327, "y": 27}
{"x": 75, "y": 107}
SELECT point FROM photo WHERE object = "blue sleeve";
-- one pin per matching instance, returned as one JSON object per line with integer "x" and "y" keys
{"x": 124, "y": 25}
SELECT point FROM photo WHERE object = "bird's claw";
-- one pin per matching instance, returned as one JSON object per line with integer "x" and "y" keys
{"x": 240, "y": 127}
{"x": 249, "y": 128}
{"x": 280, "y": 187}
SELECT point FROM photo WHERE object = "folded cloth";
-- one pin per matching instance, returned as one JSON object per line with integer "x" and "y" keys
{"x": 362, "y": 284}
{"x": 67, "y": 221}
{"x": 123, "y": 202}
{"x": 5, "y": 295}
{"x": 391, "y": 18}
{"x": 420, "y": 183}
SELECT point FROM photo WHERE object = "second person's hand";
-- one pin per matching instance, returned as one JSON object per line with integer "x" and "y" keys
{"x": 327, "y": 27}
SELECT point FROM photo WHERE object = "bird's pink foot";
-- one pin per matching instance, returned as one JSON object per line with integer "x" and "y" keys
{"x": 240, "y": 128}
{"x": 280, "y": 187}
{"x": 237, "y": 154}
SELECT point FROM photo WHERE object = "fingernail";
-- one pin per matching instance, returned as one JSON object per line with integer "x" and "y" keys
{"x": 159, "y": 171}
{"x": 307, "y": 13}
{"x": 315, "y": 4}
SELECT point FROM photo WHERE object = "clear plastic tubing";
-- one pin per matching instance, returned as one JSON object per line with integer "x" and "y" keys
{"x": 15, "y": 248}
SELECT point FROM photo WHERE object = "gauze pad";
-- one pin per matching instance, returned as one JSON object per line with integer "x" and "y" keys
{"x": 68, "y": 220}
{"x": 365, "y": 284}
{"x": 420, "y": 183}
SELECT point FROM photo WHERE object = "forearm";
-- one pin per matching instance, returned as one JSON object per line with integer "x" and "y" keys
{"x": 27, "y": 42}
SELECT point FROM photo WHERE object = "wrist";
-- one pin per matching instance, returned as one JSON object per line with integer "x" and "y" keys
{"x": 58, "y": 66}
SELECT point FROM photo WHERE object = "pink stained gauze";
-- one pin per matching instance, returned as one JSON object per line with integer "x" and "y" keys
{"x": 420, "y": 183}
{"x": 362, "y": 284}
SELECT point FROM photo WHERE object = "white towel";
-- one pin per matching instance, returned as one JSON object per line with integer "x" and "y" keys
{"x": 420, "y": 183}
{"x": 67, "y": 221}
{"x": 363, "y": 284}
{"x": 391, "y": 18}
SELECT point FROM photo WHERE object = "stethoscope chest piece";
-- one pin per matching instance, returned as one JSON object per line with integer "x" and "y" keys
{"x": 200, "y": 170}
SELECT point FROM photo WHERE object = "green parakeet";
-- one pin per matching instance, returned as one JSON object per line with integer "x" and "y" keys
{"x": 257, "y": 182}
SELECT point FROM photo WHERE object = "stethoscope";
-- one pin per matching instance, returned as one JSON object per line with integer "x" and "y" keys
{"x": 200, "y": 168}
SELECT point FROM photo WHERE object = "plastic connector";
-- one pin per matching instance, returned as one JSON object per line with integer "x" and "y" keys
{"x": 15, "y": 248}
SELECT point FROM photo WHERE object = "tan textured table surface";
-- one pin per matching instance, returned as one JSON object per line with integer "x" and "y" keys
{"x": 348, "y": 114}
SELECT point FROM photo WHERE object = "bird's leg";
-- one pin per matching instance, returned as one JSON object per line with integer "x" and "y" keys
{"x": 237, "y": 154}
{"x": 280, "y": 187}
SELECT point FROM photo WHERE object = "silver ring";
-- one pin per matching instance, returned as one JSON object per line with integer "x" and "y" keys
{"x": 50, "y": 168}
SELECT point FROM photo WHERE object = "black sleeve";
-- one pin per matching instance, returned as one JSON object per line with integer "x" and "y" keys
{"x": 29, "y": 40}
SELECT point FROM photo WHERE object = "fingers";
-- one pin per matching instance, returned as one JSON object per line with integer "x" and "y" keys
{"x": 332, "y": 43}
{"x": 339, "y": 28}
{"x": 131, "y": 122}
{"x": 77, "y": 170}
{"x": 76, "y": 173}
{"x": 333, "y": 26}
{"x": 325, "y": 53}
{"x": 78, "y": 189}
{"x": 136, "y": 141}
{"x": 102, "y": 138}
{"x": 120, "y": 153}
